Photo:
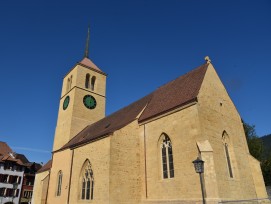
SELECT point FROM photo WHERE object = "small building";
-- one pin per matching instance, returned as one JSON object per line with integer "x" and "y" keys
{"x": 15, "y": 169}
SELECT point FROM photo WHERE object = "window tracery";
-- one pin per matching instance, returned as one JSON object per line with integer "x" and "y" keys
{"x": 87, "y": 182}
{"x": 167, "y": 157}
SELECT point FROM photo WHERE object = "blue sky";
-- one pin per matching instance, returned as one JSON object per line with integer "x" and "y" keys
{"x": 141, "y": 45}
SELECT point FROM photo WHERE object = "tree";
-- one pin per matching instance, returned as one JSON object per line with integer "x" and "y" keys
{"x": 266, "y": 169}
{"x": 255, "y": 144}
{"x": 256, "y": 149}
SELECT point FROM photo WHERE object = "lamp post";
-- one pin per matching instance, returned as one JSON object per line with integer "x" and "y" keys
{"x": 14, "y": 187}
{"x": 199, "y": 168}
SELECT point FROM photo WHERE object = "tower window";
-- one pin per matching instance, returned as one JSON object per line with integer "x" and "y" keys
{"x": 166, "y": 157}
{"x": 71, "y": 83}
{"x": 93, "y": 79}
{"x": 59, "y": 183}
{"x": 68, "y": 85}
{"x": 87, "y": 81}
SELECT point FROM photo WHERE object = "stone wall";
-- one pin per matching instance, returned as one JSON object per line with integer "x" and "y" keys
{"x": 183, "y": 128}
{"x": 218, "y": 114}
{"x": 40, "y": 188}
{"x": 98, "y": 154}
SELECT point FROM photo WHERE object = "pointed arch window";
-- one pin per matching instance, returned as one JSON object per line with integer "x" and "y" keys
{"x": 87, "y": 188}
{"x": 166, "y": 157}
{"x": 59, "y": 183}
{"x": 68, "y": 85}
{"x": 87, "y": 81}
{"x": 93, "y": 79}
{"x": 71, "y": 83}
{"x": 225, "y": 140}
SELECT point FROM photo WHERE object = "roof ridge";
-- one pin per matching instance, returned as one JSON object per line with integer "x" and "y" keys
{"x": 175, "y": 93}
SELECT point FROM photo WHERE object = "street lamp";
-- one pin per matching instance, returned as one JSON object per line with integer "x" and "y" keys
{"x": 14, "y": 187}
{"x": 199, "y": 168}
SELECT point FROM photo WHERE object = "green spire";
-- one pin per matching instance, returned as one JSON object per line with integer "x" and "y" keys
{"x": 87, "y": 44}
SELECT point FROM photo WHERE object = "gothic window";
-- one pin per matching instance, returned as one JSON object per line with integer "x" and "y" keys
{"x": 93, "y": 79}
{"x": 87, "y": 81}
{"x": 68, "y": 85}
{"x": 87, "y": 186}
{"x": 225, "y": 140}
{"x": 71, "y": 83}
{"x": 166, "y": 157}
{"x": 59, "y": 183}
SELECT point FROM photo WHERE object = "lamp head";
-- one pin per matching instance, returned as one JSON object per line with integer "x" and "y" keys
{"x": 199, "y": 165}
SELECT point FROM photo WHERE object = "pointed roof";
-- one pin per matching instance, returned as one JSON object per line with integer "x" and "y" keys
{"x": 170, "y": 96}
{"x": 86, "y": 62}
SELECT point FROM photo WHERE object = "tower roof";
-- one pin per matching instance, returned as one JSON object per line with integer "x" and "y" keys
{"x": 168, "y": 97}
{"x": 87, "y": 62}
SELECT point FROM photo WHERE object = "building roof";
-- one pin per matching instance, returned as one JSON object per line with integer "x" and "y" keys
{"x": 89, "y": 64}
{"x": 4, "y": 148}
{"x": 45, "y": 167}
{"x": 170, "y": 96}
{"x": 22, "y": 158}
{"x": 7, "y": 154}
{"x": 10, "y": 158}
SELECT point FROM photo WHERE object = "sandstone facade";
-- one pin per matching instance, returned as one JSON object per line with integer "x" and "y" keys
{"x": 122, "y": 155}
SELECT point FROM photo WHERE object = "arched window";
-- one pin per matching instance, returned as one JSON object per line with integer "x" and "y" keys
{"x": 59, "y": 183}
{"x": 166, "y": 156}
{"x": 225, "y": 140}
{"x": 71, "y": 83}
{"x": 68, "y": 85}
{"x": 87, "y": 186}
{"x": 87, "y": 81}
{"x": 93, "y": 79}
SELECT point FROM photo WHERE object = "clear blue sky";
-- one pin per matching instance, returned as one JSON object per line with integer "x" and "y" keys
{"x": 141, "y": 45}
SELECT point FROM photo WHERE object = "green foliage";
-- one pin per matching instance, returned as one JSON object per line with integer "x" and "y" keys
{"x": 267, "y": 145}
{"x": 255, "y": 144}
{"x": 259, "y": 148}
{"x": 266, "y": 169}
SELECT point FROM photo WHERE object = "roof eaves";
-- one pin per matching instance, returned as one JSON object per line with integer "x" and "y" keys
{"x": 93, "y": 69}
{"x": 169, "y": 110}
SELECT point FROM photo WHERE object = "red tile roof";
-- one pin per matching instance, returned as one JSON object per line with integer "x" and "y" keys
{"x": 88, "y": 63}
{"x": 46, "y": 167}
{"x": 174, "y": 94}
{"x": 7, "y": 157}
{"x": 4, "y": 148}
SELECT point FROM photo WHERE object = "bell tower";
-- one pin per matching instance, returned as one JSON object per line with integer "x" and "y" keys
{"x": 82, "y": 99}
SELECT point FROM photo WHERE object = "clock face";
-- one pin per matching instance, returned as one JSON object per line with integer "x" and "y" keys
{"x": 66, "y": 102}
{"x": 89, "y": 101}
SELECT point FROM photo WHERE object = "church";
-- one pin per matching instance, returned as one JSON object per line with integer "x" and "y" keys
{"x": 143, "y": 153}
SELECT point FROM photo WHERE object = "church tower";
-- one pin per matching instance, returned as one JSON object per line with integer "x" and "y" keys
{"x": 82, "y": 99}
